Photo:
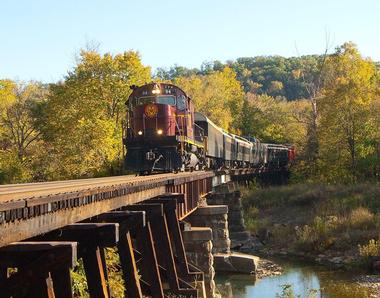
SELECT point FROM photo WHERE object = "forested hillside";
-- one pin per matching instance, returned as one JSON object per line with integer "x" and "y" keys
{"x": 327, "y": 105}
{"x": 271, "y": 75}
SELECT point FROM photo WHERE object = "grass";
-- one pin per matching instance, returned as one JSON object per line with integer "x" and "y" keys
{"x": 316, "y": 218}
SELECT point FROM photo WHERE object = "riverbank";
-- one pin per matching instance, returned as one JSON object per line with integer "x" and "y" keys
{"x": 334, "y": 226}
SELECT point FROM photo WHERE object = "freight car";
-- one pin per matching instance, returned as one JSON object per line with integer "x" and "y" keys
{"x": 165, "y": 134}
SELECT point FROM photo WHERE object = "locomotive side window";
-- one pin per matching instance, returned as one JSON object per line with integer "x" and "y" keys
{"x": 181, "y": 102}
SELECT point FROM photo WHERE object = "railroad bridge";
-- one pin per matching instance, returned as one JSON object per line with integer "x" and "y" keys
{"x": 45, "y": 228}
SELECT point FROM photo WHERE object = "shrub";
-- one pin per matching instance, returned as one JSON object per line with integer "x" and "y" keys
{"x": 376, "y": 221}
{"x": 361, "y": 218}
{"x": 305, "y": 237}
{"x": 255, "y": 224}
{"x": 282, "y": 235}
{"x": 116, "y": 281}
{"x": 80, "y": 288}
{"x": 253, "y": 212}
{"x": 320, "y": 226}
{"x": 371, "y": 249}
{"x": 316, "y": 236}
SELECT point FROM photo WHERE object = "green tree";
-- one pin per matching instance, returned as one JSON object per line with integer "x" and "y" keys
{"x": 294, "y": 73}
{"x": 176, "y": 71}
{"x": 267, "y": 69}
{"x": 275, "y": 87}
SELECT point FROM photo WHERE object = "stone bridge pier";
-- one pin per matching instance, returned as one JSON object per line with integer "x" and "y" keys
{"x": 207, "y": 234}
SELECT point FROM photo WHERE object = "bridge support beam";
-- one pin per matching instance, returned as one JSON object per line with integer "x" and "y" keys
{"x": 170, "y": 204}
{"x": 150, "y": 268}
{"x": 37, "y": 266}
{"x": 129, "y": 222}
{"x": 96, "y": 272}
{"x": 92, "y": 238}
{"x": 167, "y": 246}
{"x": 154, "y": 247}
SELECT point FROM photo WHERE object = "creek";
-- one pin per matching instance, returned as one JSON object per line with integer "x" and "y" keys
{"x": 297, "y": 280}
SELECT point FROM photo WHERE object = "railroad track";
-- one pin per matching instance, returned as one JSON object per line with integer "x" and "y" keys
{"x": 32, "y": 190}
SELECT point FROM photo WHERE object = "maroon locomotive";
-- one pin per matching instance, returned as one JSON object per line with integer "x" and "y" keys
{"x": 161, "y": 132}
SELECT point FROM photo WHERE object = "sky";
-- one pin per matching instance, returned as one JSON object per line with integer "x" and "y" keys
{"x": 39, "y": 39}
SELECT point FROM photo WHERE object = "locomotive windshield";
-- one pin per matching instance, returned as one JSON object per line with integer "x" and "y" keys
{"x": 165, "y": 100}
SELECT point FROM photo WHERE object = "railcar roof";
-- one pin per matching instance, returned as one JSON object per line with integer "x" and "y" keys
{"x": 200, "y": 117}
{"x": 276, "y": 146}
{"x": 241, "y": 139}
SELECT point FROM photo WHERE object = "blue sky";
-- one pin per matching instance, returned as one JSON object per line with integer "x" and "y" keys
{"x": 39, "y": 38}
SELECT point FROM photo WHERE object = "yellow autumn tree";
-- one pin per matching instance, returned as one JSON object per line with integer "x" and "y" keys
{"x": 84, "y": 114}
{"x": 20, "y": 138}
{"x": 275, "y": 120}
{"x": 347, "y": 129}
{"x": 218, "y": 95}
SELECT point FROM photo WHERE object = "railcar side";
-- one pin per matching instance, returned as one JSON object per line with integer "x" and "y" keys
{"x": 244, "y": 151}
{"x": 215, "y": 139}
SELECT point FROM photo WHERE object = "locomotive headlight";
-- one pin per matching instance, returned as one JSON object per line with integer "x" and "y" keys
{"x": 156, "y": 89}
{"x": 159, "y": 132}
{"x": 139, "y": 133}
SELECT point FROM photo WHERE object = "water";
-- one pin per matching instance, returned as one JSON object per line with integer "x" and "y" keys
{"x": 297, "y": 281}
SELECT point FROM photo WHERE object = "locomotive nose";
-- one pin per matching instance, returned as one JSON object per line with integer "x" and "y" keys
{"x": 151, "y": 110}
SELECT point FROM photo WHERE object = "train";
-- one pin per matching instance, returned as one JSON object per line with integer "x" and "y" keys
{"x": 164, "y": 133}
